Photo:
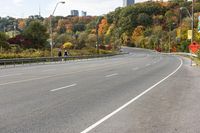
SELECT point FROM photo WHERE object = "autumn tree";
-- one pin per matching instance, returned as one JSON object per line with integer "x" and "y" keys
{"x": 21, "y": 24}
{"x": 144, "y": 19}
{"x": 138, "y": 35}
{"x": 3, "y": 40}
{"x": 37, "y": 33}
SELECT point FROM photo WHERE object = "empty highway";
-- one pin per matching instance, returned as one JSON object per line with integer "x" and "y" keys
{"x": 139, "y": 92}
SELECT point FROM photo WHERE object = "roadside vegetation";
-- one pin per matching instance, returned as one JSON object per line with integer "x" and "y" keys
{"x": 153, "y": 25}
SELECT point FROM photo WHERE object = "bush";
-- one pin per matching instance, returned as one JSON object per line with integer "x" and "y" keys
{"x": 29, "y": 53}
{"x": 67, "y": 45}
{"x": 198, "y": 54}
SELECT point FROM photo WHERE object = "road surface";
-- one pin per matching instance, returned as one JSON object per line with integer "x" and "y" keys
{"x": 140, "y": 92}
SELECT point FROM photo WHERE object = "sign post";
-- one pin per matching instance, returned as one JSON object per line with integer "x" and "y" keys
{"x": 194, "y": 48}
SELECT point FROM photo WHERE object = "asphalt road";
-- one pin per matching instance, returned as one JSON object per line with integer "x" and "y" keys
{"x": 140, "y": 92}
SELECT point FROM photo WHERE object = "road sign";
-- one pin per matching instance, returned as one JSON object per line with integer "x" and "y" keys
{"x": 194, "y": 47}
{"x": 189, "y": 34}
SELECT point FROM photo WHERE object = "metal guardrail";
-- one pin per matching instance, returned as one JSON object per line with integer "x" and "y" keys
{"x": 4, "y": 63}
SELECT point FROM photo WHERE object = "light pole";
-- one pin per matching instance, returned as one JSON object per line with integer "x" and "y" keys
{"x": 192, "y": 23}
{"x": 191, "y": 17}
{"x": 51, "y": 26}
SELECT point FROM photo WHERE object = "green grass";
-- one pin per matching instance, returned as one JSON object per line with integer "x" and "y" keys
{"x": 197, "y": 61}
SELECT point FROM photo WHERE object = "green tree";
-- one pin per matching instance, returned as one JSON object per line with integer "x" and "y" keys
{"x": 3, "y": 40}
{"x": 37, "y": 33}
{"x": 144, "y": 19}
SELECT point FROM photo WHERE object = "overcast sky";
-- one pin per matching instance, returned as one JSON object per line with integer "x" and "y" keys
{"x": 25, "y": 8}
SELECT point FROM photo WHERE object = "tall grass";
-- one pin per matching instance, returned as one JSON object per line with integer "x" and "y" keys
{"x": 32, "y": 53}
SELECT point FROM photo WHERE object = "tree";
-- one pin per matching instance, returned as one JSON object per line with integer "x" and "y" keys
{"x": 78, "y": 27}
{"x": 3, "y": 40}
{"x": 171, "y": 19}
{"x": 91, "y": 41}
{"x": 144, "y": 19}
{"x": 37, "y": 33}
{"x": 21, "y": 41}
{"x": 21, "y": 24}
{"x": 82, "y": 38}
{"x": 138, "y": 35}
{"x": 67, "y": 45}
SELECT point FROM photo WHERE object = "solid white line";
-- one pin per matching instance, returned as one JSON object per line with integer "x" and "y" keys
{"x": 63, "y": 74}
{"x": 9, "y": 75}
{"x": 64, "y": 87}
{"x": 49, "y": 70}
{"x": 111, "y": 75}
{"x": 131, "y": 101}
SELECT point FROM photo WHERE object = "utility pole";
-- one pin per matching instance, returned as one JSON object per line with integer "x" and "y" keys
{"x": 51, "y": 25}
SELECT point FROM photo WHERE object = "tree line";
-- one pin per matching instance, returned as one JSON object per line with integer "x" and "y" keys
{"x": 155, "y": 25}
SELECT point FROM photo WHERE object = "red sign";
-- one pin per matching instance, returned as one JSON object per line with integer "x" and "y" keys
{"x": 194, "y": 47}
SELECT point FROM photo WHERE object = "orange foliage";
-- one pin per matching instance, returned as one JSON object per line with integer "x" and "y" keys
{"x": 69, "y": 27}
{"x": 21, "y": 24}
{"x": 103, "y": 27}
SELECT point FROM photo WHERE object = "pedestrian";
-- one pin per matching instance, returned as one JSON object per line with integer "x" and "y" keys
{"x": 65, "y": 53}
{"x": 59, "y": 53}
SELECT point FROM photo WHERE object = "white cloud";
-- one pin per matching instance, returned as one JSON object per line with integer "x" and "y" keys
{"x": 18, "y": 2}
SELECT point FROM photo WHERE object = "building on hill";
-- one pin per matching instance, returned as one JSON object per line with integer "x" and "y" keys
{"x": 74, "y": 13}
{"x": 128, "y": 2}
{"x": 84, "y": 14}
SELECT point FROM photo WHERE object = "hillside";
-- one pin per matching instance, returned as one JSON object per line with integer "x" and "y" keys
{"x": 154, "y": 25}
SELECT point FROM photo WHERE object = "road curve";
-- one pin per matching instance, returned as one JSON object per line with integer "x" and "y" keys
{"x": 143, "y": 92}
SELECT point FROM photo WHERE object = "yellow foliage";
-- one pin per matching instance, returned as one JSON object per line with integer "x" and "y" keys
{"x": 67, "y": 45}
{"x": 137, "y": 33}
{"x": 21, "y": 24}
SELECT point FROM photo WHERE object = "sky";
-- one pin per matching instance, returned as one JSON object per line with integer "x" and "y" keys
{"x": 25, "y": 8}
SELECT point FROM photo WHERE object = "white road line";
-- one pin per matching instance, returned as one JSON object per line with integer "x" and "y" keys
{"x": 111, "y": 75}
{"x": 9, "y": 75}
{"x": 131, "y": 101}
{"x": 63, "y": 74}
{"x": 136, "y": 68}
{"x": 48, "y": 70}
{"x": 72, "y": 85}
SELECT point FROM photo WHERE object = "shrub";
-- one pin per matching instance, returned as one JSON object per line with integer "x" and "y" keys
{"x": 67, "y": 45}
{"x": 198, "y": 54}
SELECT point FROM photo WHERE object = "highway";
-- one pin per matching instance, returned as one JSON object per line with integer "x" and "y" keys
{"x": 139, "y": 92}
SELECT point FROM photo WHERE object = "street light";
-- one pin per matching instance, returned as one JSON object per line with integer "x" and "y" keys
{"x": 51, "y": 26}
{"x": 192, "y": 24}
{"x": 191, "y": 17}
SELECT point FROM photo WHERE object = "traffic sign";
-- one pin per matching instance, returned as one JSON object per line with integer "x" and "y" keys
{"x": 194, "y": 47}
